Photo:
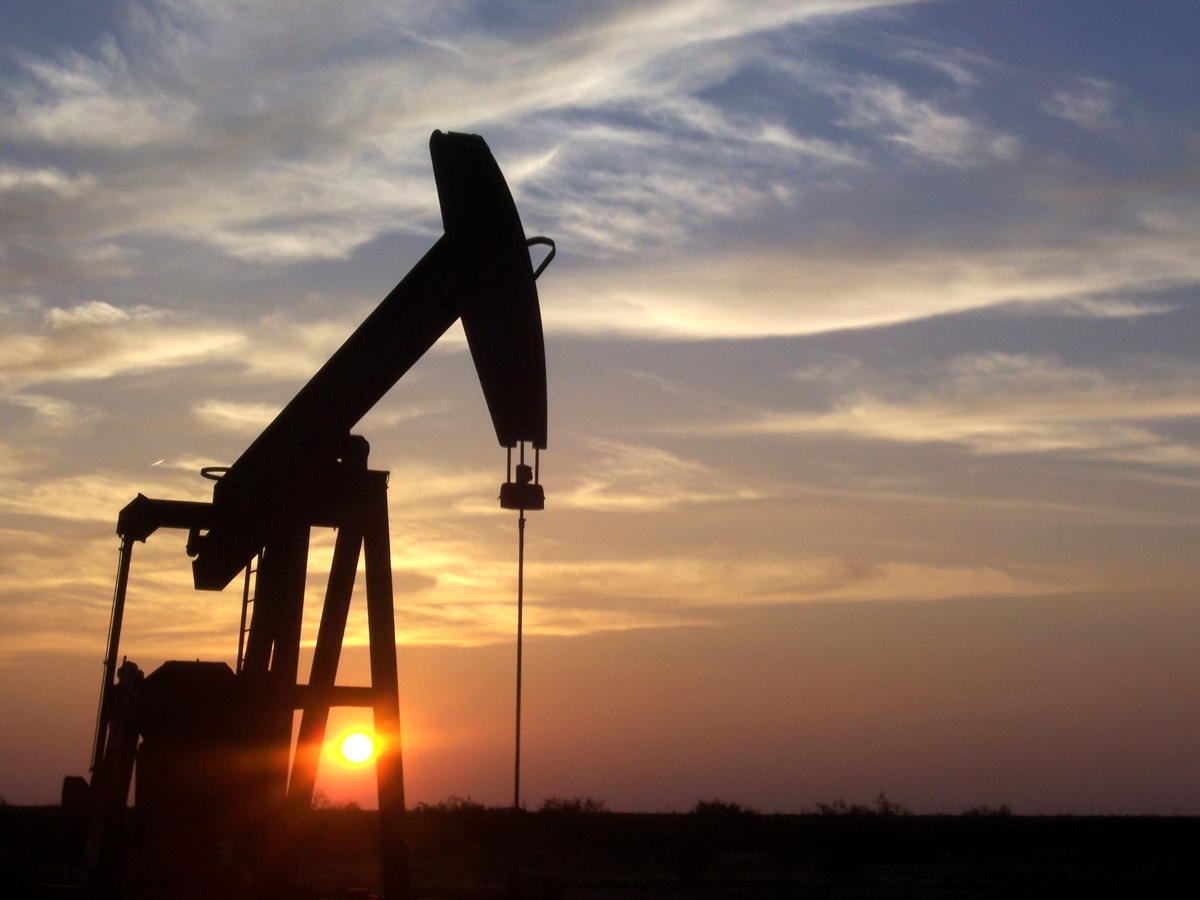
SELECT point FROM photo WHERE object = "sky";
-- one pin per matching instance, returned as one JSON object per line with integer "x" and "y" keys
{"x": 874, "y": 400}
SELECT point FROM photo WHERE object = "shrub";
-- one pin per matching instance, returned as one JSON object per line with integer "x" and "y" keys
{"x": 716, "y": 807}
{"x": 453, "y": 804}
{"x": 883, "y": 807}
{"x": 572, "y": 805}
{"x": 321, "y": 800}
{"x": 1002, "y": 810}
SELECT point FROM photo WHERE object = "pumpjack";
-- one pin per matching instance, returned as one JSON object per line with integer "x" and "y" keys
{"x": 217, "y": 776}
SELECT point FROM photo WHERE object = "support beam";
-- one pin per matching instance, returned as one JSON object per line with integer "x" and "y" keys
{"x": 125, "y": 556}
{"x": 317, "y": 698}
{"x": 389, "y": 766}
{"x": 273, "y": 644}
{"x": 289, "y": 594}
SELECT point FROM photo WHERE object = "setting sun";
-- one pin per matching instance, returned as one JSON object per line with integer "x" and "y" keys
{"x": 358, "y": 748}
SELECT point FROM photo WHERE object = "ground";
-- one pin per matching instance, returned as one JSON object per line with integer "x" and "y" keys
{"x": 485, "y": 853}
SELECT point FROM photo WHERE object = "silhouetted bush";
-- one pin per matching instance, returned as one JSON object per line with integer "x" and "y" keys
{"x": 883, "y": 807}
{"x": 577, "y": 806}
{"x": 321, "y": 800}
{"x": 721, "y": 808}
{"x": 454, "y": 804}
{"x": 1001, "y": 810}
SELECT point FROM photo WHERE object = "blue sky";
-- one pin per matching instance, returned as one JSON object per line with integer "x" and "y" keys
{"x": 872, "y": 329}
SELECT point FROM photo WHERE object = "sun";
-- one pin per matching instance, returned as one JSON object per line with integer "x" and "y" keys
{"x": 358, "y": 748}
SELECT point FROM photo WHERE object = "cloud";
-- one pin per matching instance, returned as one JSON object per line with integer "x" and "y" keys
{"x": 1085, "y": 307}
{"x": 1008, "y": 403}
{"x": 53, "y": 412}
{"x": 49, "y": 606}
{"x": 1089, "y": 103}
{"x": 618, "y": 133}
{"x": 830, "y": 287}
{"x": 612, "y": 594}
{"x": 956, "y": 64}
{"x": 311, "y": 162}
{"x": 576, "y": 598}
{"x": 82, "y": 497}
{"x": 242, "y": 417}
{"x": 94, "y": 101}
{"x": 288, "y": 347}
{"x": 629, "y": 478}
{"x": 64, "y": 609}
{"x": 97, "y": 340}
{"x": 622, "y": 193}
{"x": 16, "y": 179}
{"x": 94, "y": 312}
{"x": 923, "y": 128}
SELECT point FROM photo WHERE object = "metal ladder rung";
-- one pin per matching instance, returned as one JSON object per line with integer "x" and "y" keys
{"x": 247, "y": 599}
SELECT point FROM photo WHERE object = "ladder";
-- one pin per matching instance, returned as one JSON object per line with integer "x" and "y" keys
{"x": 247, "y": 599}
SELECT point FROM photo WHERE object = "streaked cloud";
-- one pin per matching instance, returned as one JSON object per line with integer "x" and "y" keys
{"x": 88, "y": 497}
{"x": 831, "y": 287}
{"x": 1085, "y": 307}
{"x": 1009, "y": 403}
{"x": 1088, "y": 103}
{"x": 54, "y": 412}
{"x": 614, "y": 595}
{"x": 625, "y": 477}
{"x": 250, "y": 418}
{"x": 584, "y": 134}
{"x": 15, "y": 179}
{"x": 923, "y": 128}
{"x": 222, "y": 172}
{"x": 98, "y": 340}
{"x": 957, "y": 64}
{"x": 691, "y": 583}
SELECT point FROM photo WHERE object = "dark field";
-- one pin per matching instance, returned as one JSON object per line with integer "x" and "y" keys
{"x": 595, "y": 856}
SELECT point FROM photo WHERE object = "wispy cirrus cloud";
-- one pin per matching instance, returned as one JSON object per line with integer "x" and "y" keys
{"x": 630, "y": 478}
{"x": 312, "y": 165}
{"x": 615, "y": 128}
{"x": 957, "y": 64}
{"x": 1001, "y": 403}
{"x": 923, "y": 128}
{"x": 53, "y": 412}
{"x": 98, "y": 340}
{"x": 16, "y": 179}
{"x": 97, "y": 101}
{"x": 82, "y": 497}
{"x": 1089, "y": 103}
{"x": 831, "y": 287}
{"x": 619, "y": 594}
{"x": 609, "y": 595}
{"x": 1095, "y": 307}
{"x": 249, "y": 418}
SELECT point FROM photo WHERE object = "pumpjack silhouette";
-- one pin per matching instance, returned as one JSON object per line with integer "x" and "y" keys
{"x": 210, "y": 744}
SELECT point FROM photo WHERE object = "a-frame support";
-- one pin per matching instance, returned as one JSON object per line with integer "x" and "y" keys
{"x": 361, "y": 517}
